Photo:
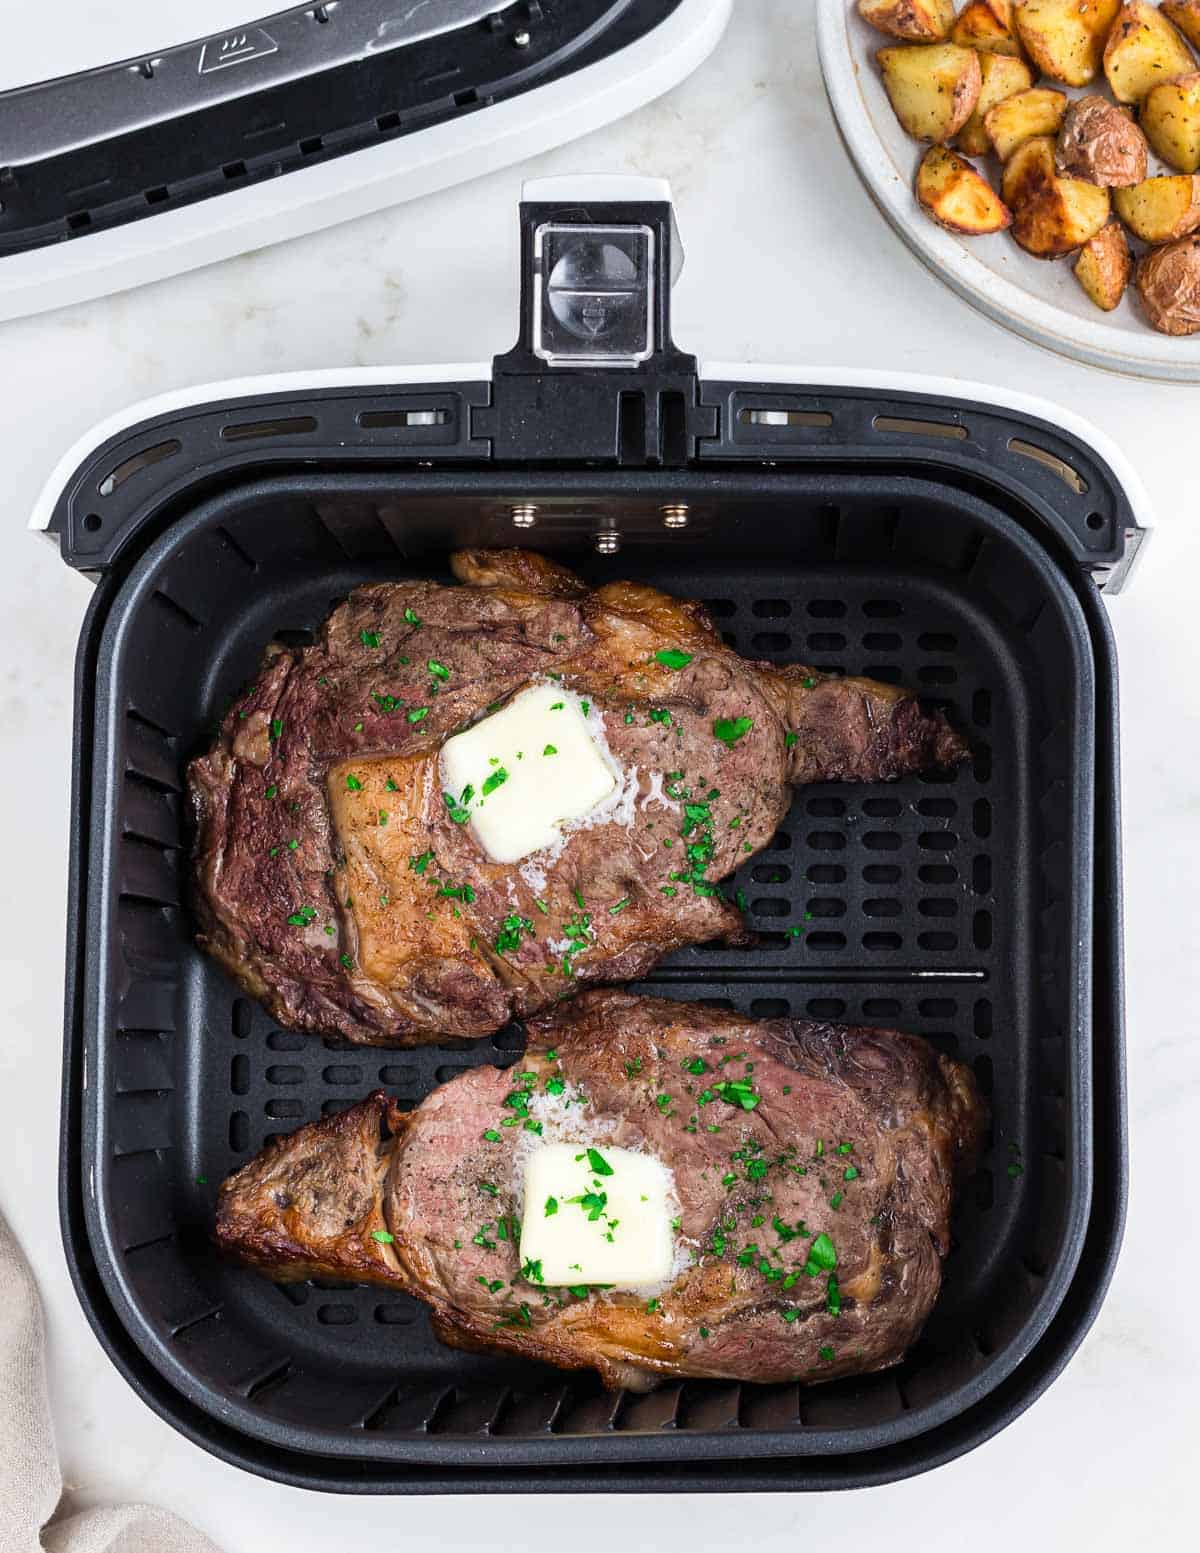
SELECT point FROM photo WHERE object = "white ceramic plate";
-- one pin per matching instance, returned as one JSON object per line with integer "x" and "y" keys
{"x": 1033, "y": 297}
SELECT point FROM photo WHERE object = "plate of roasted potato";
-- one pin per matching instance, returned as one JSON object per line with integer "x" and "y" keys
{"x": 1041, "y": 156}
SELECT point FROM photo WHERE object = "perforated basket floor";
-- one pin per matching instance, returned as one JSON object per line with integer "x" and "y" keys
{"x": 958, "y": 908}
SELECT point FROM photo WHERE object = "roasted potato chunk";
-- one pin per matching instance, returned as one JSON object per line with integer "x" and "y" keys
{"x": 1001, "y": 77}
{"x": 1065, "y": 38}
{"x": 1020, "y": 118}
{"x": 1186, "y": 16}
{"x": 1059, "y": 217}
{"x": 1103, "y": 266}
{"x": 919, "y": 21}
{"x": 1168, "y": 282}
{"x": 1143, "y": 49}
{"x": 1171, "y": 120}
{"x": 957, "y": 197}
{"x": 933, "y": 88}
{"x": 1028, "y": 171}
{"x": 1101, "y": 144}
{"x": 986, "y": 25}
{"x": 1159, "y": 210}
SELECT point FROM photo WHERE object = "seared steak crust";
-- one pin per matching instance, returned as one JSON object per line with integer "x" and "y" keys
{"x": 812, "y": 1226}
{"x": 333, "y": 883}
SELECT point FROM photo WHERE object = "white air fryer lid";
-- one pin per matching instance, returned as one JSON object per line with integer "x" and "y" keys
{"x": 152, "y": 136}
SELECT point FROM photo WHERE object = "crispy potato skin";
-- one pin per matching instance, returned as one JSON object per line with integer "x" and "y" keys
{"x": 1170, "y": 117}
{"x": 1028, "y": 172}
{"x": 933, "y": 88}
{"x": 1052, "y": 216}
{"x": 1186, "y": 16}
{"x": 1065, "y": 38}
{"x": 1023, "y": 116}
{"x": 1143, "y": 49}
{"x": 986, "y": 25}
{"x": 1101, "y": 145}
{"x": 957, "y": 197}
{"x": 1002, "y": 77}
{"x": 1168, "y": 282}
{"x": 1159, "y": 210}
{"x": 1104, "y": 265}
{"x": 916, "y": 21}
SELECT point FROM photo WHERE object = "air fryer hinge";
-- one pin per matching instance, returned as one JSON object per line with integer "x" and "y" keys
{"x": 595, "y": 374}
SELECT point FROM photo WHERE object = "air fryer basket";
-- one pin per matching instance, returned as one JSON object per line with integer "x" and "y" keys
{"x": 959, "y": 907}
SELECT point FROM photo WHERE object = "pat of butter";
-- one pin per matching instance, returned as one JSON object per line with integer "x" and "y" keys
{"x": 586, "y": 1226}
{"x": 525, "y": 771}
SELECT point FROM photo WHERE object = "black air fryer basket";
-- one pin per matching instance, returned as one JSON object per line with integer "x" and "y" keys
{"x": 952, "y": 546}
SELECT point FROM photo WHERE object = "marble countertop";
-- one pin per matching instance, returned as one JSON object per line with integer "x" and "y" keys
{"x": 787, "y": 261}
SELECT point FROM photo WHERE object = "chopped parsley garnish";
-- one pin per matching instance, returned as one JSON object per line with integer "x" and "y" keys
{"x": 659, "y": 714}
{"x": 369, "y": 638}
{"x": 272, "y": 790}
{"x": 790, "y": 740}
{"x": 633, "y": 1067}
{"x": 697, "y": 1065}
{"x": 302, "y": 917}
{"x": 391, "y": 786}
{"x": 826, "y": 1354}
{"x": 730, "y": 729}
{"x": 382, "y": 1236}
{"x": 491, "y": 1135}
{"x": 663, "y": 1102}
{"x": 619, "y": 907}
{"x": 420, "y": 864}
{"x": 598, "y": 1163}
{"x": 386, "y": 704}
{"x": 493, "y": 1287}
{"x": 549, "y": 750}
{"x": 438, "y": 670}
{"x": 592, "y": 1203}
{"x": 585, "y": 707}
{"x": 557, "y": 706}
{"x": 491, "y": 783}
{"x": 738, "y": 1091}
{"x": 821, "y": 1254}
{"x": 555, "y": 1086}
{"x": 509, "y": 936}
{"x": 418, "y": 714}
{"x": 672, "y": 658}
{"x": 531, "y": 1271}
{"x": 551, "y": 1207}
{"x": 489, "y": 1187}
{"x": 456, "y": 892}
{"x": 850, "y": 1173}
{"x": 652, "y": 1306}
{"x": 411, "y": 615}
{"x": 346, "y": 961}
{"x": 833, "y": 1296}
{"x": 459, "y": 812}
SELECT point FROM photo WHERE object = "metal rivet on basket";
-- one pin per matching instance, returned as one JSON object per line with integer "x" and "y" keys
{"x": 521, "y": 39}
{"x": 675, "y": 515}
{"x": 608, "y": 544}
{"x": 524, "y": 516}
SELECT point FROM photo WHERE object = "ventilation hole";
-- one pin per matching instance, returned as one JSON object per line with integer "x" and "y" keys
{"x": 825, "y": 641}
{"x": 286, "y": 1041}
{"x": 825, "y": 1008}
{"x": 466, "y": 98}
{"x": 937, "y": 840}
{"x": 922, "y": 428}
{"x": 93, "y": 522}
{"x": 399, "y": 420}
{"x": 770, "y": 1008}
{"x": 510, "y": 1039}
{"x": 386, "y": 122}
{"x": 938, "y": 808}
{"x": 234, "y": 169}
{"x": 983, "y": 1019}
{"x": 290, "y": 1073}
{"x": 720, "y": 609}
{"x": 937, "y": 674}
{"x": 981, "y": 875}
{"x": 337, "y": 1315}
{"x": 729, "y": 638}
{"x": 239, "y": 1132}
{"x": 826, "y": 840}
{"x": 1057, "y": 466}
{"x": 141, "y": 460}
{"x": 882, "y": 941}
{"x": 981, "y": 708}
{"x": 284, "y": 1110}
{"x": 239, "y": 1075}
{"x": 770, "y": 641}
{"x": 295, "y": 1293}
{"x": 825, "y": 873}
{"x": 937, "y": 873}
{"x": 826, "y": 609}
{"x": 939, "y": 943}
{"x": 882, "y": 873}
{"x": 881, "y": 1008}
{"x": 984, "y": 1074}
{"x": 826, "y": 808}
{"x": 294, "y": 636}
{"x": 770, "y": 873}
{"x": 981, "y": 930}
{"x": 395, "y": 1075}
{"x": 176, "y": 610}
{"x": 1095, "y": 521}
{"x": 631, "y": 428}
{"x": 882, "y": 808}
{"x": 937, "y": 1008}
{"x": 826, "y": 940}
{"x": 937, "y": 641}
{"x": 981, "y": 764}
{"x": 445, "y": 1071}
{"x": 882, "y": 609}
{"x": 763, "y": 417}
{"x": 780, "y": 842}
{"x": 882, "y": 907}
{"x": 826, "y": 906}
{"x": 335, "y": 1107}
{"x": 770, "y": 906}
{"x": 78, "y": 221}
{"x": 889, "y": 673}
{"x": 311, "y": 146}
{"x": 770, "y": 609}
{"x": 242, "y": 1017}
{"x": 343, "y": 1074}
{"x": 984, "y": 1190}
{"x": 395, "y": 1315}
{"x": 156, "y": 196}
{"x": 882, "y": 641}
{"x": 981, "y": 818}
{"x": 288, "y": 426}
{"x": 276, "y": 1377}
{"x": 938, "y": 907}
{"x": 881, "y": 841}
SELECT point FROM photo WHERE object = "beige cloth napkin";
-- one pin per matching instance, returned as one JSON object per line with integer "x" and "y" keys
{"x": 30, "y": 1482}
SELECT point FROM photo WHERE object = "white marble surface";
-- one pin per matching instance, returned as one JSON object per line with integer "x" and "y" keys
{"x": 787, "y": 261}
